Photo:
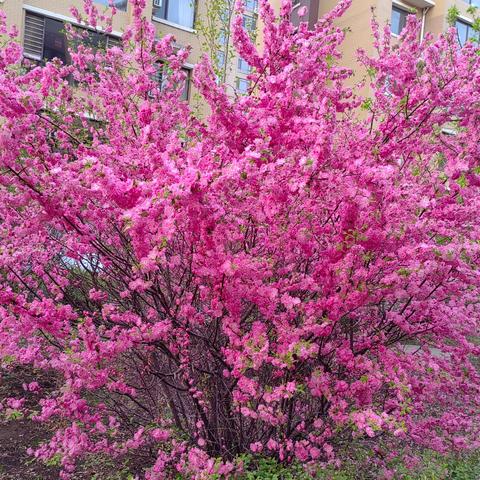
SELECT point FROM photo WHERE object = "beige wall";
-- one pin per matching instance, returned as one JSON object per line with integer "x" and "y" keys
{"x": 358, "y": 17}
{"x": 15, "y": 9}
{"x": 356, "y": 21}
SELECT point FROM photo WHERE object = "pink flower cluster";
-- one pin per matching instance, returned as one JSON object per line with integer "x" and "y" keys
{"x": 295, "y": 270}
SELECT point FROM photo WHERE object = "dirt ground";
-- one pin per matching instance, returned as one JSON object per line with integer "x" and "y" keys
{"x": 17, "y": 436}
{"x": 15, "y": 463}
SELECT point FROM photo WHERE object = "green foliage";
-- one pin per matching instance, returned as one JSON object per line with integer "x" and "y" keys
{"x": 462, "y": 181}
{"x": 437, "y": 467}
{"x": 433, "y": 466}
{"x": 452, "y": 15}
{"x": 472, "y": 10}
{"x": 215, "y": 30}
{"x": 54, "y": 461}
{"x": 13, "y": 414}
{"x": 263, "y": 468}
{"x": 367, "y": 104}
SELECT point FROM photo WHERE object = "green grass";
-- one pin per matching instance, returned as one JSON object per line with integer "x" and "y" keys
{"x": 431, "y": 467}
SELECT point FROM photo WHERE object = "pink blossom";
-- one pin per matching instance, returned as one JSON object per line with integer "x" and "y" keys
{"x": 292, "y": 270}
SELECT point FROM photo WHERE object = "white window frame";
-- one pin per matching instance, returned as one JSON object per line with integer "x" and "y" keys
{"x": 66, "y": 19}
{"x": 155, "y": 18}
{"x": 237, "y": 82}
{"x": 398, "y": 6}
{"x": 40, "y": 12}
{"x": 469, "y": 22}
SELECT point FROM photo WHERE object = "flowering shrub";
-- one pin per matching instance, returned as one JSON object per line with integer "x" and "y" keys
{"x": 296, "y": 270}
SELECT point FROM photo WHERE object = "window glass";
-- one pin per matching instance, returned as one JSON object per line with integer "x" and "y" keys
{"x": 251, "y": 5}
{"x": 119, "y": 4}
{"x": 222, "y": 37}
{"x": 220, "y": 59}
{"x": 462, "y": 32}
{"x": 249, "y": 23}
{"x": 186, "y": 88}
{"x": 243, "y": 66}
{"x": 242, "y": 85}
{"x": 399, "y": 20}
{"x": 161, "y": 77}
{"x": 465, "y": 32}
{"x": 475, "y": 3}
{"x": 180, "y": 12}
{"x": 55, "y": 41}
{"x": 94, "y": 40}
{"x": 225, "y": 16}
{"x": 45, "y": 39}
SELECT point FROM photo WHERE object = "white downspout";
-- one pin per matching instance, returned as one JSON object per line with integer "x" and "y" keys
{"x": 424, "y": 15}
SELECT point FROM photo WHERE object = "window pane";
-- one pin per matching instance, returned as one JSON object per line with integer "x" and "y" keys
{"x": 222, "y": 37}
{"x": 242, "y": 85}
{"x": 120, "y": 4}
{"x": 89, "y": 38}
{"x": 475, "y": 3}
{"x": 399, "y": 20}
{"x": 243, "y": 66}
{"x": 114, "y": 42}
{"x": 251, "y": 5}
{"x": 473, "y": 35}
{"x": 186, "y": 88}
{"x": 225, "y": 16}
{"x": 220, "y": 59}
{"x": 462, "y": 32}
{"x": 176, "y": 11}
{"x": 55, "y": 42}
{"x": 161, "y": 78}
{"x": 249, "y": 23}
{"x": 45, "y": 39}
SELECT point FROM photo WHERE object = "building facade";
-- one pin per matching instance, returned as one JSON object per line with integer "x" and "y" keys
{"x": 433, "y": 15}
{"x": 41, "y": 25}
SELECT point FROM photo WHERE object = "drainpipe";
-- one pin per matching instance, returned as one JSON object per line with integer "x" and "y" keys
{"x": 424, "y": 15}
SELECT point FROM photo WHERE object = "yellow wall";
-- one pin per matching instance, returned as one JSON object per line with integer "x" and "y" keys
{"x": 61, "y": 8}
{"x": 356, "y": 20}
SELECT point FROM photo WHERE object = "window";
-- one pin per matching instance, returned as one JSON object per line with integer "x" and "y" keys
{"x": 93, "y": 39}
{"x": 251, "y": 5}
{"x": 161, "y": 78}
{"x": 243, "y": 66}
{"x": 249, "y": 23}
{"x": 222, "y": 37}
{"x": 225, "y": 16}
{"x": 474, "y": 3}
{"x": 220, "y": 59}
{"x": 180, "y": 12}
{"x": 45, "y": 39}
{"x": 399, "y": 19}
{"x": 242, "y": 85}
{"x": 465, "y": 32}
{"x": 186, "y": 88}
{"x": 119, "y": 4}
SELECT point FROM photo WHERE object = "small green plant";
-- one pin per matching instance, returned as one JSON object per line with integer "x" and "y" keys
{"x": 263, "y": 468}
{"x": 452, "y": 15}
{"x": 433, "y": 466}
